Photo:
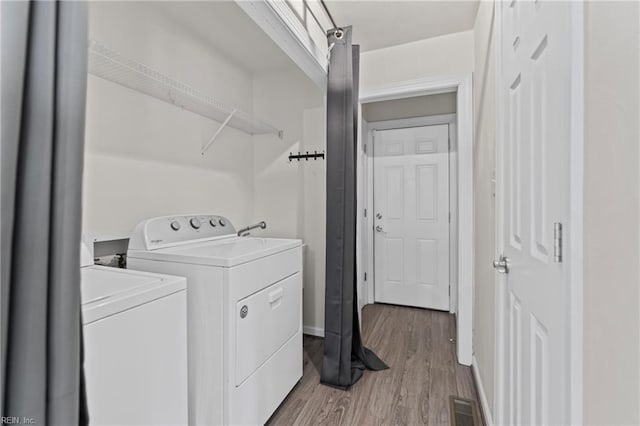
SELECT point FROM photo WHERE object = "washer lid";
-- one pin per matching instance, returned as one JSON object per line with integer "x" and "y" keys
{"x": 226, "y": 252}
{"x": 107, "y": 291}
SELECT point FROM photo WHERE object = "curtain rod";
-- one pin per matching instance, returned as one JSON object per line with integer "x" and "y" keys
{"x": 333, "y": 22}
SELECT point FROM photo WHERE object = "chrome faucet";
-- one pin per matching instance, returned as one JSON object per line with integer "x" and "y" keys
{"x": 245, "y": 231}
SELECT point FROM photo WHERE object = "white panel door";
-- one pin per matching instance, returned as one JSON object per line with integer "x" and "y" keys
{"x": 411, "y": 207}
{"x": 535, "y": 117}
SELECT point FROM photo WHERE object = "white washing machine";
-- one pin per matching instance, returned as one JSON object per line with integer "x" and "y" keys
{"x": 135, "y": 343}
{"x": 244, "y": 312}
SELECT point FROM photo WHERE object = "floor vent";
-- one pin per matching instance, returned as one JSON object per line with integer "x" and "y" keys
{"x": 464, "y": 412}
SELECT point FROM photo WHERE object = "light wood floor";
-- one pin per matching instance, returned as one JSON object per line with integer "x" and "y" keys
{"x": 415, "y": 390}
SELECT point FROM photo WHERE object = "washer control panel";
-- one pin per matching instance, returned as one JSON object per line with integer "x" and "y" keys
{"x": 168, "y": 230}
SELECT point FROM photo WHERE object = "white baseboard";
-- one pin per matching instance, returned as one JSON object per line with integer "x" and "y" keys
{"x": 486, "y": 410}
{"x": 313, "y": 331}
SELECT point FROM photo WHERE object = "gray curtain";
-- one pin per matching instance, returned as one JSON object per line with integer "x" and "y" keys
{"x": 44, "y": 73}
{"x": 345, "y": 357}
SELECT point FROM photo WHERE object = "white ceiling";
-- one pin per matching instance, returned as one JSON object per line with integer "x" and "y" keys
{"x": 227, "y": 29}
{"x": 383, "y": 23}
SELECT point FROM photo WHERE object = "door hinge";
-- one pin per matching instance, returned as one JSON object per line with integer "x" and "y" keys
{"x": 365, "y": 276}
{"x": 365, "y": 212}
{"x": 449, "y": 217}
{"x": 365, "y": 148}
{"x": 557, "y": 242}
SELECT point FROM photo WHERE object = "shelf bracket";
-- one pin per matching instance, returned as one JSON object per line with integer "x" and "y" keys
{"x": 215, "y": 135}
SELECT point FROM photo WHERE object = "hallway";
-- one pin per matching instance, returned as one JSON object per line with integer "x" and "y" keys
{"x": 415, "y": 390}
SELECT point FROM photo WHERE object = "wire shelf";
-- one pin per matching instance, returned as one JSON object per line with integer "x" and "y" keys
{"x": 112, "y": 66}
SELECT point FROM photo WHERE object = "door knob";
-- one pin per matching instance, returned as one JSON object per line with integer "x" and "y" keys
{"x": 379, "y": 228}
{"x": 502, "y": 265}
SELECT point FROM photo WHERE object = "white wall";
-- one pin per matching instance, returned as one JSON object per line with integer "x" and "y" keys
{"x": 450, "y": 54}
{"x": 290, "y": 196}
{"x": 484, "y": 93}
{"x": 314, "y": 220}
{"x": 143, "y": 155}
{"x": 418, "y": 106}
{"x": 611, "y": 214}
{"x": 281, "y": 98}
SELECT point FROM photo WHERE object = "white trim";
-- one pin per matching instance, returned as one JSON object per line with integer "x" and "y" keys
{"x": 464, "y": 112}
{"x": 370, "y": 215}
{"x": 361, "y": 284}
{"x": 576, "y": 283}
{"x": 466, "y": 210}
{"x": 411, "y": 88}
{"x": 313, "y": 331}
{"x": 482, "y": 395}
{"x": 433, "y": 120}
{"x": 401, "y": 123}
{"x": 453, "y": 209}
{"x": 499, "y": 399}
{"x": 364, "y": 264}
{"x": 279, "y": 23}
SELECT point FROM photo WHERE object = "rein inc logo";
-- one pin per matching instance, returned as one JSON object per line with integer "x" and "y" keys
{"x": 15, "y": 420}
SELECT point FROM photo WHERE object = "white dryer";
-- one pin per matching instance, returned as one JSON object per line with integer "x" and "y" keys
{"x": 244, "y": 312}
{"x": 135, "y": 342}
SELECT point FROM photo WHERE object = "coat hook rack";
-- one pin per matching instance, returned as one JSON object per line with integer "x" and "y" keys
{"x": 315, "y": 155}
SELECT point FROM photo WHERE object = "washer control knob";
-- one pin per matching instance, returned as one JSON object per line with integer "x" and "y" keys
{"x": 213, "y": 222}
{"x": 175, "y": 225}
{"x": 194, "y": 222}
{"x": 222, "y": 222}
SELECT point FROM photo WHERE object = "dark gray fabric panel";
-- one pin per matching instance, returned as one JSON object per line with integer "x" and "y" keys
{"x": 344, "y": 356}
{"x": 361, "y": 356}
{"x": 26, "y": 385}
{"x": 43, "y": 352}
{"x": 14, "y": 24}
{"x": 65, "y": 325}
{"x": 336, "y": 367}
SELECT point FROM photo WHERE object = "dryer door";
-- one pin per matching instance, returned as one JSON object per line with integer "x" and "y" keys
{"x": 265, "y": 321}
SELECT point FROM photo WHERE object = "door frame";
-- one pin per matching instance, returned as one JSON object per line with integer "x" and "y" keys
{"x": 463, "y": 85}
{"x": 433, "y": 120}
{"x": 576, "y": 229}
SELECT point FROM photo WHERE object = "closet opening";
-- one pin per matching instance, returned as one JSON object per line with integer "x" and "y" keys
{"x": 415, "y": 224}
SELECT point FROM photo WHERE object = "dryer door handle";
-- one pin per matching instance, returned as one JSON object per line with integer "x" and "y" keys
{"x": 276, "y": 295}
